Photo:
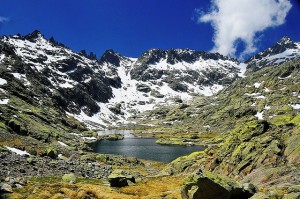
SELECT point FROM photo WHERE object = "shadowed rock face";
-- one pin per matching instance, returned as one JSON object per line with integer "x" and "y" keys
{"x": 211, "y": 186}
{"x": 119, "y": 178}
{"x": 111, "y": 57}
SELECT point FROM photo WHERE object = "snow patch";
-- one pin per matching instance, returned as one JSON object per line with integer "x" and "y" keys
{"x": 243, "y": 68}
{"x": 259, "y": 115}
{"x": 66, "y": 85}
{"x": 252, "y": 94}
{"x": 61, "y": 143}
{"x": 295, "y": 106}
{"x": 3, "y": 91}
{"x": 2, "y": 81}
{"x": 89, "y": 138}
{"x": 267, "y": 107}
{"x": 21, "y": 77}
{"x": 257, "y": 85}
{"x": 254, "y": 104}
{"x": 260, "y": 97}
{"x": 77, "y": 135}
{"x": 4, "y": 101}
{"x": 17, "y": 151}
{"x": 255, "y": 95}
{"x": 2, "y": 56}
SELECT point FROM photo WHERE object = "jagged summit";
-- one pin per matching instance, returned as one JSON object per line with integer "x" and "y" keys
{"x": 174, "y": 56}
{"x": 198, "y": 67}
{"x": 112, "y": 57}
{"x": 91, "y": 56}
{"x": 34, "y": 35}
{"x": 285, "y": 40}
{"x": 282, "y": 45}
{"x": 285, "y": 49}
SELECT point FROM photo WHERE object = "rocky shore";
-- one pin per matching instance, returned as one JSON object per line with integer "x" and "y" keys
{"x": 13, "y": 165}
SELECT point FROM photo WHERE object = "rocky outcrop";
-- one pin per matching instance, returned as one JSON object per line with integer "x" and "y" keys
{"x": 52, "y": 152}
{"x": 143, "y": 88}
{"x": 211, "y": 186}
{"x": 5, "y": 188}
{"x": 119, "y": 178}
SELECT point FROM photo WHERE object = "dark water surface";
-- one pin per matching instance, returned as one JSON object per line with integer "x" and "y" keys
{"x": 144, "y": 148}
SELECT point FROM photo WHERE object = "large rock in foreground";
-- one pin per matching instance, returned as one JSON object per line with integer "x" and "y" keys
{"x": 5, "y": 188}
{"x": 211, "y": 186}
{"x": 119, "y": 178}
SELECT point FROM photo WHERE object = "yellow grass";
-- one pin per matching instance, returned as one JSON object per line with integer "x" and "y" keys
{"x": 155, "y": 187}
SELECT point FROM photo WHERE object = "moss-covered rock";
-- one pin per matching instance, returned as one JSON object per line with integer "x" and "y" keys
{"x": 292, "y": 150}
{"x": 182, "y": 163}
{"x": 52, "y": 152}
{"x": 89, "y": 134}
{"x": 291, "y": 196}
{"x": 115, "y": 137}
{"x": 69, "y": 178}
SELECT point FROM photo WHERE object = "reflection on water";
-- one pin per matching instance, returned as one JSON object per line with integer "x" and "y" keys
{"x": 144, "y": 148}
{"x": 126, "y": 133}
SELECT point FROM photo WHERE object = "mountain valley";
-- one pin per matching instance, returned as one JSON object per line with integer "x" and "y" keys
{"x": 53, "y": 101}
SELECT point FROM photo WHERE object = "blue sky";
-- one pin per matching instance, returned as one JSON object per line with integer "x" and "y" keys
{"x": 133, "y": 26}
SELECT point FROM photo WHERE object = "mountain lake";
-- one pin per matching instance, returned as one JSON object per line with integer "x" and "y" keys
{"x": 143, "y": 148}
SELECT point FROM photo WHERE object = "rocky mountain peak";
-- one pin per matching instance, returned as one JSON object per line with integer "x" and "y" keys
{"x": 91, "y": 56}
{"x": 152, "y": 56}
{"x": 34, "y": 35}
{"x": 282, "y": 45}
{"x": 178, "y": 55}
{"x": 285, "y": 40}
{"x": 283, "y": 50}
{"x": 112, "y": 57}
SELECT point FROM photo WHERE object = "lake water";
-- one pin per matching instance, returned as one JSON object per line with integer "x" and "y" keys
{"x": 143, "y": 148}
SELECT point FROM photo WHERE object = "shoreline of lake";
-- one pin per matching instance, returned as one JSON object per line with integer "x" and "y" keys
{"x": 141, "y": 147}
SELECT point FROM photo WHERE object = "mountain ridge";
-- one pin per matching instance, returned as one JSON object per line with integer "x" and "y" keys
{"x": 74, "y": 80}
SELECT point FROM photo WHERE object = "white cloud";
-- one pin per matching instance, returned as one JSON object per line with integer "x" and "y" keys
{"x": 3, "y": 19}
{"x": 241, "y": 20}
